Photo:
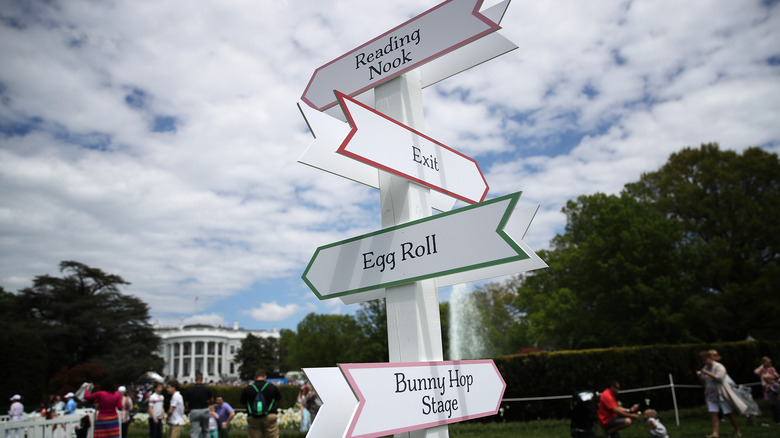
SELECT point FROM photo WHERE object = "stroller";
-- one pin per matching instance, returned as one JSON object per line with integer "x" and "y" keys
{"x": 584, "y": 406}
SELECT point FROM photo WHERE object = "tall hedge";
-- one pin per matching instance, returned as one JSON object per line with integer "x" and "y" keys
{"x": 567, "y": 372}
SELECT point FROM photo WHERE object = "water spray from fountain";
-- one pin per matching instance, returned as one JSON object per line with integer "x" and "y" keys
{"x": 465, "y": 342}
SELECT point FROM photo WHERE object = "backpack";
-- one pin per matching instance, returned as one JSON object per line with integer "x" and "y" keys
{"x": 258, "y": 407}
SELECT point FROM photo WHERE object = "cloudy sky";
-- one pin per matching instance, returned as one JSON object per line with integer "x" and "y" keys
{"x": 158, "y": 140}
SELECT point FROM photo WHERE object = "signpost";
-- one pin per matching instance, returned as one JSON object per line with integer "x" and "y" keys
{"x": 426, "y": 37}
{"x": 469, "y": 238}
{"x": 417, "y": 394}
{"x": 389, "y": 398}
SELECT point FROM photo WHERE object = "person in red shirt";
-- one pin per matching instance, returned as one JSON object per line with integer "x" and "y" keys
{"x": 108, "y": 400}
{"x": 613, "y": 417}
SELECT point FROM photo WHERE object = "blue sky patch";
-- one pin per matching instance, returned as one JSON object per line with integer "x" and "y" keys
{"x": 136, "y": 99}
{"x": 20, "y": 129}
{"x": 164, "y": 124}
{"x": 97, "y": 141}
{"x": 590, "y": 91}
{"x": 618, "y": 58}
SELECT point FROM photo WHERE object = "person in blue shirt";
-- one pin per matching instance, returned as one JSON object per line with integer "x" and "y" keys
{"x": 226, "y": 414}
{"x": 70, "y": 405}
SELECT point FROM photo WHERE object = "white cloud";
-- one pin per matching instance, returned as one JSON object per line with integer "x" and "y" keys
{"x": 209, "y": 319}
{"x": 271, "y": 312}
{"x": 594, "y": 96}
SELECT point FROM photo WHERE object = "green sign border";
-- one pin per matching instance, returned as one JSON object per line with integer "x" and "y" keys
{"x": 522, "y": 255}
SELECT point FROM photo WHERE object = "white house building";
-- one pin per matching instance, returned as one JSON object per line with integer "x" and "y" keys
{"x": 203, "y": 348}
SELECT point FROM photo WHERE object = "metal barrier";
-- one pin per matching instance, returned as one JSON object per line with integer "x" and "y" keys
{"x": 671, "y": 386}
{"x": 38, "y": 427}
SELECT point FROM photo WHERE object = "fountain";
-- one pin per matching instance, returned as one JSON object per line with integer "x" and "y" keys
{"x": 465, "y": 342}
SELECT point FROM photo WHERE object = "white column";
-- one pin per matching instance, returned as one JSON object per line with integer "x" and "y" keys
{"x": 174, "y": 358}
{"x": 222, "y": 356}
{"x": 413, "y": 321}
{"x": 170, "y": 358}
{"x": 191, "y": 377}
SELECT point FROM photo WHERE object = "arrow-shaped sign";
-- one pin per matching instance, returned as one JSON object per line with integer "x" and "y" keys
{"x": 515, "y": 228}
{"x": 428, "y": 36}
{"x": 338, "y": 402}
{"x": 388, "y": 144}
{"x": 393, "y": 398}
{"x": 329, "y": 133}
{"x": 443, "y": 245}
{"x": 472, "y": 54}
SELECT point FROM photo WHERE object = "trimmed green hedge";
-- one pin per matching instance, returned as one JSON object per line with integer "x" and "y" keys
{"x": 568, "y": 372}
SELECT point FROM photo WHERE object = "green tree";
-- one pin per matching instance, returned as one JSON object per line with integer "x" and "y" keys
{"x": 24, "y": 357}
{"x": 324, "y": 341}
{"x": 258, "y": 352}
{"x": 727, "y": 205}
{"x": 372, "y": 319}
{"x": 444, "y": 316}
{"x": 84, "y": 318}
{"x": 286, "y": 338}
{"x": 615, "y": 278}
{"x": 688, "y": 253}
{"x": 501, "y": 325}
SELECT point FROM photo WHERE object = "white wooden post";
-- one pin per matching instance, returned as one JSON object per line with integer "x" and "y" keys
{"x": 413, "y": 320}
{"x": 674, "y": 400}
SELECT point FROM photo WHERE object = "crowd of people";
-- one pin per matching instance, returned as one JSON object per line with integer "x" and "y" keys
{"x": 56, "y": 407}
{"x": 210, "y": 416}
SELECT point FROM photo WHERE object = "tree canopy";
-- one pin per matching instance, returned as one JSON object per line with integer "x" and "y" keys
{"x": 687, "y": 253}
{"x": 258, "y": 352}
{"x": 83, "y": 317}
{"x": 727, "y": 205}
{"x": 322, "y": 341}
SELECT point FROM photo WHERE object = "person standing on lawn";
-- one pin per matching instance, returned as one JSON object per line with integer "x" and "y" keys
{"x": 226, "y": 414}
{"x": 262, "y": 426}
{"x": 198, "y": 399}
{"x": 175, "y": 410}
{"x": 718, "y": 394}
{"x": 109, "y": 401}
{"x": 156, "y": 411}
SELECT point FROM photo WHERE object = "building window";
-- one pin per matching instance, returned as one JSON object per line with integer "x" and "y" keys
{"x": 199, "y": 348}
{"x": 211, "y": 348}
{"x": 232, "y": 350}
{"x": 187, "y": 347}
{"x": 232, "y": 368}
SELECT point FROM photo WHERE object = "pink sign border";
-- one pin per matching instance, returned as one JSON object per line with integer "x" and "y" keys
{"x": 346, "y": 370}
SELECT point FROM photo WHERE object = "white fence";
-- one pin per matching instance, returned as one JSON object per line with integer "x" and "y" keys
{"x": 35, "y": 426}
{"x": 671, "y": 386}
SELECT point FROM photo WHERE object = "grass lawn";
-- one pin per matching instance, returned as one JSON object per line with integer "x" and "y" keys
{"x": 694, "y": 423}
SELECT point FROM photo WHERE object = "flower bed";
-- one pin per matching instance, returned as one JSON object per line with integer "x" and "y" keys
{"x": 287, "y": 419}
